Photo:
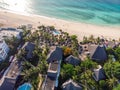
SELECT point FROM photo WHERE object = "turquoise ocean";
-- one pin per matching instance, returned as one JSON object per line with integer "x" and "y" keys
{"x": 102, "y": 12}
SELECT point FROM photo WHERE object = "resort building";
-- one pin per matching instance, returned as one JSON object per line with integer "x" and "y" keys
{"x": 54, "y": 60}
{"x": 55, "y": 54}
{"x": 72, "y": 60}
{"x": 71, "y": 85}
{"x": 51, "y": 81}
{"x": 10, "y": 32}
{"x": 99, "y": 74}
{"x": 29, "y": 48}
{"x": 4, "y": 49}
{"x": 8, "y": 84}
{"x": 95, "y": 52}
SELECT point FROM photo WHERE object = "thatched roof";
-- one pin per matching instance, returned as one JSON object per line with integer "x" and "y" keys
{"x": 97, "y": 53}
{"x": 71, "y": 85}
{"x": 72, "y": 60}
{"x": 29, "y": 48}
{"x": 55, "y": 54}
{"x": 99, "y": 74}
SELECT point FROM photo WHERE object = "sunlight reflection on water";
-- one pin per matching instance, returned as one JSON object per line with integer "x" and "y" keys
{"x": 16, "y": 5}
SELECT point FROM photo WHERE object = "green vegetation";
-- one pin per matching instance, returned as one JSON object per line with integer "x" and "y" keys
{"x": 90, "y": 39}
{"x": 12, "y": 43}
{"x": 117, "y": 53}
{"x": 88, "y": 64}
{"x": 4, "y": 65}
{"x": 74, "y": 37}
{"x": 82, "y": 74}
{"x": 67, "y": 51}
{"x": 117, "y": 88}
{"x": 35, "y": 66}
{"x": 67, "y": 71}
{"x": 43, "y": 40}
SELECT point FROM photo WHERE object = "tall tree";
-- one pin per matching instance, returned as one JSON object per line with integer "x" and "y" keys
{"x": 88, "y": 64}
{"x": 112, "y": 82}
{"x": 87, "y": 81}
{"x": 117, "y": 53}
{"x": 67, "y": 71}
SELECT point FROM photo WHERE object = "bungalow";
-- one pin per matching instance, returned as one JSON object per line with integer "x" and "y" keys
{"x": 54, "y": 60}
{"x": 98, "y": 74}
{"x": 97, "y": 53}
{"x": 71, "y": 85}
{"x": 29, "y": 49}
{"x": 72, "y": 60}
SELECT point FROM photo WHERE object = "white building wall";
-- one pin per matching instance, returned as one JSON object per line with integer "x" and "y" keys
{"x": 10, "y": 33}
{"x": 4, "y": 49}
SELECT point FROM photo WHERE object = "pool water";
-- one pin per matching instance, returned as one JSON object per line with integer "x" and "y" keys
{"x": 25, "y": 86}
{"x": 56, "y": 32}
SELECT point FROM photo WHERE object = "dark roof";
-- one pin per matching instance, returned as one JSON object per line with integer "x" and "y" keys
{"x": 72, "y": 60}
{"x": 97, "y": 53}
{"x": 99, "y": 74}
{"x": 53, "y": 69}
{"x": 29, "y": 48}
{"x": 8, "y": 84}
{"x": 49, "y": 83}
{"x": 92, "y": 49}
{"x": 52, "y": 73}
{"x": 54, "y": 66}
{"x": 55, "y": 54}
{"x": 71, "y": 85}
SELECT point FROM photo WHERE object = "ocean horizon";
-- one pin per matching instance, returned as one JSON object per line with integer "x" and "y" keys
{"x": 101, "y": 12}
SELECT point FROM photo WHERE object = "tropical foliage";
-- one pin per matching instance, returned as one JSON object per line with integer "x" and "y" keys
{"x": 44, "y": 39}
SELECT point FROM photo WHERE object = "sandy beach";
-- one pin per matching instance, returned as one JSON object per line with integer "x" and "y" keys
{"x": 9, "y": 19}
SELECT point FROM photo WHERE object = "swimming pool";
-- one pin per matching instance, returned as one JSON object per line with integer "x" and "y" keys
{"x": 55, "y": 32}
{"x": 25, "y": 86}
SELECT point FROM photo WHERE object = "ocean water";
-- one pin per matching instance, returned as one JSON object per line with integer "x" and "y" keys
{"x": 102, "y": 12}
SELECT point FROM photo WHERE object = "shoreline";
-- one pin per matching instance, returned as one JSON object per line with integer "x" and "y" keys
{"x": 13, "y": 19}
{"x": 49, "y": 17}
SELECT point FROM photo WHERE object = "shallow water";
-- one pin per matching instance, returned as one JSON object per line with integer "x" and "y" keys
{"x": 102, "y": 12}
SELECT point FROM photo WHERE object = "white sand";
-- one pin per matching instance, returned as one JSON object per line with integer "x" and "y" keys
{"x": 80, "y": 29}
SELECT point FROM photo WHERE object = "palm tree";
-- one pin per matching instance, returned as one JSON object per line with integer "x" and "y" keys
{"x": 67, "y": 71}
{"x": 87, "y": 81}
{"x": 88, "y": 64}
{"x": 91, "y": 38}
{"x": 78, "y": 72}
{"x": 85, "y": 40}
{"x": 42, "y": 27}
{"x": 102, "y": 85}
{"x": 112, "y": 69}
{"x": 112, "y": 82}
{"x": 98, "y": 39}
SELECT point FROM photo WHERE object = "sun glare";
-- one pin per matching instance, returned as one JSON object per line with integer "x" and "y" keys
{"x": 17, "y": 5}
